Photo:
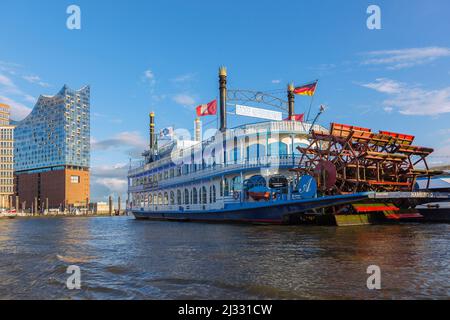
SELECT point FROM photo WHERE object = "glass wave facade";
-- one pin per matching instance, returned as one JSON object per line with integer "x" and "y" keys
{"x": 56, "y": 133}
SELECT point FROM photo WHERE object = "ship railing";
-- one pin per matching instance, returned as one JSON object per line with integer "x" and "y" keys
{"x": 273, "y": 126}
{"x": 263, "y": 163}
{"x": 150, "y": 166}
{"x": 267, "y": 162}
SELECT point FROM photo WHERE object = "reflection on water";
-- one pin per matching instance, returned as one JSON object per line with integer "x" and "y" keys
{"x": 121, "y": 258}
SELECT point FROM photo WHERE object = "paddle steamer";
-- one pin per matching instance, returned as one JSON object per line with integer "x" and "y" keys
{"x": 279, "y": 171}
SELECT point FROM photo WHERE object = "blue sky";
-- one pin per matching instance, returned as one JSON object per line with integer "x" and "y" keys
{"x": 163, "y": 56}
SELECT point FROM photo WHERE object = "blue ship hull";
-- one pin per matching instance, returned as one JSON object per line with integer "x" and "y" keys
{"x": 277, "y": 212}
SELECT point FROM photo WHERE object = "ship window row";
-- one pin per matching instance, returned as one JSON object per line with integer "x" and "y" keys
{"x": 165, "y": 175}
{"x": 185, "y": 196}
{"x": 227, "y": 187}
{"x": 251, "y": 155}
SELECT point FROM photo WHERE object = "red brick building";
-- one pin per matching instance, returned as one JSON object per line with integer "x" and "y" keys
{"x": 52, "y": 152}
{"x": 54, "y": 188}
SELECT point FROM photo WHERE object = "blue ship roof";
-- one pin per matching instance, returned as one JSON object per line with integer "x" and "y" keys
{"x": 441, "y": 182}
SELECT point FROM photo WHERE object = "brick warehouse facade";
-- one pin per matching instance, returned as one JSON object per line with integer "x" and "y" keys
{"x": 52, "y": 152}
{"x": 68, "y": 187}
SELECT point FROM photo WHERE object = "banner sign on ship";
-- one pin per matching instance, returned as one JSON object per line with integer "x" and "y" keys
{"x": 258, "y": 113}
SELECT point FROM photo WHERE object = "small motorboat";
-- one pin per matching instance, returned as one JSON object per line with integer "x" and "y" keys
{"x": 11, "y": 214}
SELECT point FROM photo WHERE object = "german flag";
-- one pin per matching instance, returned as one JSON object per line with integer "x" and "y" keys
{"x": 306, "y": 90}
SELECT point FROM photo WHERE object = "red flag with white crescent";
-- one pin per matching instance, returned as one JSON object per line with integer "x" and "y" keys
{"x": 297, "y": 117}
{"x": 207, "y": 109}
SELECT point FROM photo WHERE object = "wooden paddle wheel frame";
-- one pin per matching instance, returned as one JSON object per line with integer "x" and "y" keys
{"x": 350, "y": 159}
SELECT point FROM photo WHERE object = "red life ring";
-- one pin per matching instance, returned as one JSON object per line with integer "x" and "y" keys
{"x": 326, "y": 173}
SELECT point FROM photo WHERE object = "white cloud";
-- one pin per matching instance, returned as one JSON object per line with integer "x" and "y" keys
{"x": 14, "y": 96}
{"x": 108, "y": 179}
{"x": 106, "y": 117}
{"x": 405, "y": 58}
{"x": 29, "y": 98}
{"x": 7, "y": 89}
{"x": 149, "y": 75}
{"x": 184, "y": 100}
{"x": 114, "y": 185}
{"x": 9, "y": 67}
{"x": 441, "y": 155}
{"x": 184, "y": 78}
{"x": 7, "y": 86}
{"x": 131, "y": 142}
{"x": 36, "y": 80}
{"x": 412, "y": 100}
{"x": 150, "y": 79}
{"x": 118, "y": 170}
{"x": 323, "y": 69}
{"x": 385, "y": 86}
{"x": 444, "y": 131}
{"x": 5, "y": 81}
{"x": 276, "y": 81}
{"x": 18, "y": 110}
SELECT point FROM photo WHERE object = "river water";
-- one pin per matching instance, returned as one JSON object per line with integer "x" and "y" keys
{"x": 120, "y": 258}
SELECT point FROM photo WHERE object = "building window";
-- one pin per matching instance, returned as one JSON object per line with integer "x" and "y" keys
{"x": 75, "y": 179}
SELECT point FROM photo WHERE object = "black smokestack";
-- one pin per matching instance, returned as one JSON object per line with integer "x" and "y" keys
{"x": 223, "y": 98}
{"x": 152, "y": 130}
{"x": 291, "y": 101}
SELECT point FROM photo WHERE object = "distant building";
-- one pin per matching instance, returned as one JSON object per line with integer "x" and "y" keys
{"x": 52, "y": 151}
{"x": 6, "y": 158}
{"x": 101, "y": 208}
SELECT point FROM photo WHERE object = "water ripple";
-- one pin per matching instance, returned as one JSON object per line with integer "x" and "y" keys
{"x": 121, "y": 258}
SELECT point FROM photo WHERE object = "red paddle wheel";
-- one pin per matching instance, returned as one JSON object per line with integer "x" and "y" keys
{"x": 350, "y": 159}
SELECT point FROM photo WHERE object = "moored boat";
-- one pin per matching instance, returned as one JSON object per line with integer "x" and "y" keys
{"x": 278, "y": 171}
